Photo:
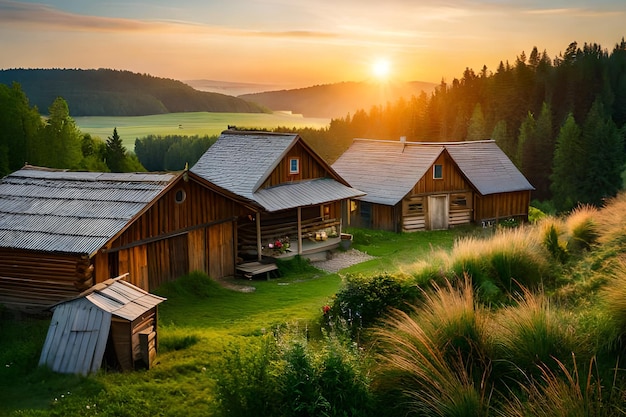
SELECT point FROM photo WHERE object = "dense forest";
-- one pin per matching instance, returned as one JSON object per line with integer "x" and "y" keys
{"x": 107, "y": 92}
{"x": 561, "y": 120}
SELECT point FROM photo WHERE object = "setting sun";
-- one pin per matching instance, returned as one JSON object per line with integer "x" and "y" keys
{"x": 381, "y": 69}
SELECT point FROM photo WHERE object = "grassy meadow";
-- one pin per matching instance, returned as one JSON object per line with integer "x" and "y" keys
{"x": 190, "y": 124}
{"x": 507, "y": 321}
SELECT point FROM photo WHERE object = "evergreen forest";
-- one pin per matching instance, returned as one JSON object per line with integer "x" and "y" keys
{"x": 562, "y": 120}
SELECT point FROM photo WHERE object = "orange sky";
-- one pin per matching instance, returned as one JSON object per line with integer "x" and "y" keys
{"x": 296, "y": 43}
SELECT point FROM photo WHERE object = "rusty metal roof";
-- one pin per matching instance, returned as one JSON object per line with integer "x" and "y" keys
{"x": 71, "y": 212}
{"x": 388, "y": 170}
{"x": 240, "y": 162}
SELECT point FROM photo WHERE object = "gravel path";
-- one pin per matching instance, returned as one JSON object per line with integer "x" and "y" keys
{"x": 341, "y": 260}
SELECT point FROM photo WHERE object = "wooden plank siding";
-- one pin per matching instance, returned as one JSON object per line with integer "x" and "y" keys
{"x": 310, "y": 167}
{"x": 173, "y": 238}
{"x": 500, "y": 206}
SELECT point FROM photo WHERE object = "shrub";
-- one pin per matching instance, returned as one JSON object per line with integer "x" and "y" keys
{"x": 285, "y": 375}
{"x": 245, "y": 379}
{"x": 362, "y": 300}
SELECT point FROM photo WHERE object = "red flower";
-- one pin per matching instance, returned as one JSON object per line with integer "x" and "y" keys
{"x": 326, "y": 309}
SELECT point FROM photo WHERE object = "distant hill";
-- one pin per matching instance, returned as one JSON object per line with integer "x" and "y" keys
{"x": 232, "y": 88}
{"x": 337, "y": 100}
{"x": 106, "y": 92}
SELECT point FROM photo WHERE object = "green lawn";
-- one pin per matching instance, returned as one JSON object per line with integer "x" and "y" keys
{"x": 197, "y": 322}
{"x": 188, "y": 124}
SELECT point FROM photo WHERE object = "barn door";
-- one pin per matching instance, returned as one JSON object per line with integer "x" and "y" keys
{"x": 438, "y": 210}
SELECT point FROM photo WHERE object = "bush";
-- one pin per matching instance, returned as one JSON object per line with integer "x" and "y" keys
{"x": 285, "y": 375}
{"x": 362, "y": 300}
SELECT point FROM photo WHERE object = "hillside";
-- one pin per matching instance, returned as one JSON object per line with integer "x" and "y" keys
{"x": 105, "y": 92}
{"x": 337, "y": 100}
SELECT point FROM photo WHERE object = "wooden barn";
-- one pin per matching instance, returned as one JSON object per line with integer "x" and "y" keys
{"x": 413, "y": 186}
{"x": 113, "y": 322}
{"x": 62, "y": 232}
{"x": 297, "y": 196}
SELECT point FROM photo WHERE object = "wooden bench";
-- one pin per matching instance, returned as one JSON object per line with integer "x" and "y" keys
{"x": 250, "y": 269}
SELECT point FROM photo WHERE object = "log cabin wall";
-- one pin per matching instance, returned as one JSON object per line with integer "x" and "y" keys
{"x": 35, "y": 280}
{"x": 309, "y": 167}
{"x": 174, "y": 237}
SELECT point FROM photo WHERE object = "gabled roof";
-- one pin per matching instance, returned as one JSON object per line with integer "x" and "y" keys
{"x": 121, "y": 298}
{"x": 72, "y": 212}
{"x": 387, "y": 170}
{"x": 487, "y": 167}
{"x": 240, "y": 162}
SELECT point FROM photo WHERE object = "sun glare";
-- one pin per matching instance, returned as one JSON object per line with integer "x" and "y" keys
{"x": 381, "y": 69}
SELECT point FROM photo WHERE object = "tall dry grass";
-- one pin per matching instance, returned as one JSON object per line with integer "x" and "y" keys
{"x": 611, "y": 220}
{"x": 530, "y": 335}
{"x": 429, "y": 355}
{"x": 582, "y": 228}
{"x": 511, "y": 257}
{"x": 613, "y": 299}
{"x": 567, "y": 394}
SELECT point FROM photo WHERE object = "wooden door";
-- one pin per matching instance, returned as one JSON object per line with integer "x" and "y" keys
{"x": 438, "y": 210}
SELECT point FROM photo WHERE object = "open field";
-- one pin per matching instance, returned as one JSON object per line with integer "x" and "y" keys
{"x": 190, "y": 124}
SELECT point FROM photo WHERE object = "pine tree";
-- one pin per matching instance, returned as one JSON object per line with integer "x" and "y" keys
{"x": 115, "y": 153}
{"x": 569, "y": 166}
{"x": 476, "y": 129}
{"x": 603, "y": 146}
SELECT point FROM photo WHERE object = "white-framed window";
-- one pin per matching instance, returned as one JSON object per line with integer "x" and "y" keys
{"x": 180, "y": 196}
{"x": 294, "y": 166}
{"x": 437, "y": 171}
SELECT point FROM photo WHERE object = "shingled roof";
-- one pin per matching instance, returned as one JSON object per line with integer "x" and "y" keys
{"x": 241, "y": 161}
{"x": 71, "y": 212}
{"x": 387, "y": 170}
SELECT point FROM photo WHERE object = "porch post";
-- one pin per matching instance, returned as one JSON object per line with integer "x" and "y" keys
{"x": 299, "y": 230}
{"x": 259, "y": 247}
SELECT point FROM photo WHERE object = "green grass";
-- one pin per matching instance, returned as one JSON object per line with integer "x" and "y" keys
{"x": 189, "y": 124}
{"x": 197, "y": 321}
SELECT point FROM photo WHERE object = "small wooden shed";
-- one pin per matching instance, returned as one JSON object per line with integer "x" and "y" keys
{"x": 413, "y": 186}
{"x": 114, "y": 320}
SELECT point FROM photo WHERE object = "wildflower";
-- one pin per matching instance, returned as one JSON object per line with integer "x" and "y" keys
{"x": 326, "y": 309}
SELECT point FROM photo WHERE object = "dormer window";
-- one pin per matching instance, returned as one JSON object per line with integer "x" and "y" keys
{"x": 437, "y": 171}
{"x": 294, "y": 166}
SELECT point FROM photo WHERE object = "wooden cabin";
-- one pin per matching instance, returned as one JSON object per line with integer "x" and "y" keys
{"x": 413, "y": 186}
{"x": 113, "y": 322}
{"x": 62, "y": 232}
{"x": 297, "y": 196}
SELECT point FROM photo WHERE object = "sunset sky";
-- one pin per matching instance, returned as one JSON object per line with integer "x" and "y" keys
{"x": 297, "y": 43}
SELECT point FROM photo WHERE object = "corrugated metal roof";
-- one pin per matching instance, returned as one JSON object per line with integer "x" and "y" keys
{"x": 304, "y": 193}
{"x": 241, "y": 161}
{"x": 388, "y": 170}
{"x": 71, "y": 212}
{"x": 385, "y": 170}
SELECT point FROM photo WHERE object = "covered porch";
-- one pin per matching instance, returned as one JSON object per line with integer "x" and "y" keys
{"x": 303, "y": 231}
